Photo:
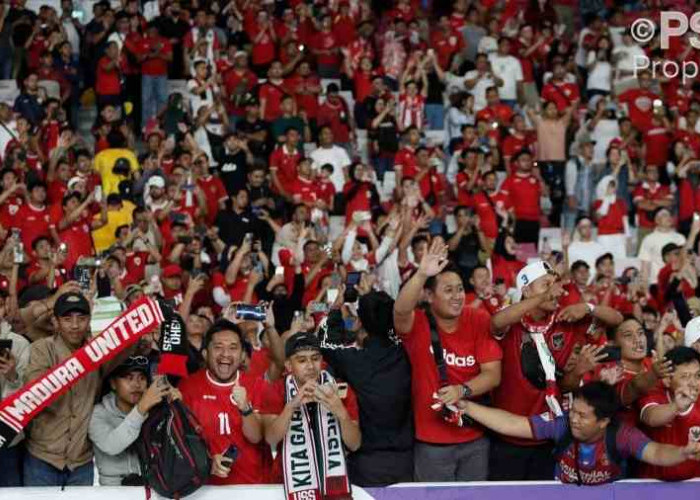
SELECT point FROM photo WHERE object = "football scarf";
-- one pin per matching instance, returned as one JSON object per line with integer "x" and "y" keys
{"x": 313, "y": 457}
{"x": 537, "y": 334}
{"x": 142, "y": 317}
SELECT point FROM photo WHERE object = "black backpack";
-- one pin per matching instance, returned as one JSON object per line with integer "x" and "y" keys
{"x": 173, "y": 455}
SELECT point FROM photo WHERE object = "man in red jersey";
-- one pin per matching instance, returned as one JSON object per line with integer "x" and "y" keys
{"x": 493, "y": 207}
{"x": 524, "y": 190}
{"x": 312, "y": 418}
{"x": 672, "y": 416}
{"x": 33, "y": 218}
{"x": 482, "y": 295}
{"x": 446, "y": 449}
{"x": 538, "y": 337}
{"x": 558, "y": 90}
{"x": 405, "y": 158}
{"x": 283, "y": 163}
{"x": 640, "y": 102}
{"x": 224, "y": 400}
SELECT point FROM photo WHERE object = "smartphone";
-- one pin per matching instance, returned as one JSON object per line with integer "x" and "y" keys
{"x": 353, "y": 279}
{"x": 5, "y": 348}
{"x": 18, "y": 253}
{"x": 16, "y": 233}
{"x": 351, "y": 294}
{"x": 98, "y": 194}
{"x": 279, "y": 271}
{"x": 342, "y": 390}
{"x": 248, "y": 238}
{"x": 82, "y": 274}
{"x": 230, "y": 455}
{"x": 319, "y": 307}
{"x": 614, "y": 353}
{"x": 250, "y": 312}
{"x": 331, "y": 295}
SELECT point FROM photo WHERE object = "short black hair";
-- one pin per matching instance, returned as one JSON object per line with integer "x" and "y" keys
{"x": 682, "y": 355}
{"x": 328, "y": 168}
{"x": 604, "y": 257}
{"x": 39, "y": 239}
{"x": 431, "y": 282}
{"x": 419, "y": 239}
{"x": 602, "y": 397}
{"x": 222, "y": 325}
{"x": 520, "y": 153}
{"x": 579, "y": 264}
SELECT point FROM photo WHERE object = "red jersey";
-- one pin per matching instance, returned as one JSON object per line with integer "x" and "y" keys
{"x": 464, "y": 350}
{"x": 640, "y": 105}
{"x": 361, "y": 202}
{"x": 687, "y": 199}
{"x": 214, "y": 192}
{"x": 9, "y": 209}
{"x": 259, "y": 362}
{"x": 430, "y": 183}
{"x": 684, "y": 429}
{"x": 237, "y": 84}
{"x": 33, "y": 222}
{"x": 516, "y": 394}
{"x": 657, "y": 140}
{"x": 512, "y": 144}
{"x": 445, "y": 45}
{"x": 285, "y": 164}
{"x": 613, "y": 221}
{"x": 405, "y": 159}
{"x": 524, "y": 191}
{"x": 154, "y": 66}
{"x": 325, "y": 190}
{"x": 272, "y": 94}
{"x": 78, "y": 239}
{"x": 60, "y": 274}
{"x": 136, "y": 266}
{"x": 108, "y": 80}
{"x": 500, "y": 113}
{"x": 490, "y": 305}
{"x": 299, "y": 87}
{"x": 264, "y": 48}
{"x": 485, "y": 207}
{"x": 562, "y": 94}
{"x": 505, "y": 269}
{"x": 303, "y": 191}
{"x": 336, "y": 116}
{"x": 236, "y": 290}
{"x": 646, "y": 191}
{"x": 326, "y": 41}
{"x": 464, "y": 195}
{"x": 222, "y": 424}
{"x": 273, "y": 394}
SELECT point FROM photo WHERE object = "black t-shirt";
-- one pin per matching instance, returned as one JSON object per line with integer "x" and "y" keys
{"x": 386, "y": 135}
{"x": 466, "y": 256}
{"x": 435, "y": 89}
{"x": 258, "y": 148}
{"x": 233, "y": 169}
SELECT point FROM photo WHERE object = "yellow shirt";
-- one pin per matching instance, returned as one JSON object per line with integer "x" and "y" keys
{"x": 104, "y": 237}
{"x": 104, "y": 163}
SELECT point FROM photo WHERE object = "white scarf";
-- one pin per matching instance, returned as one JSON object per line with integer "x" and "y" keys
{"x": 537, "y": 334}
{"x": 601, "y": 192}
{"x": 313, "y": 458}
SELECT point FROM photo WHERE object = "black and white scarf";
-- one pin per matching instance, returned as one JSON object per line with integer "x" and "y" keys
{"x": 313, "y": 457}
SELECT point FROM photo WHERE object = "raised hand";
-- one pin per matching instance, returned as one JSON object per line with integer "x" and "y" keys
{"x": 434, "y": 260}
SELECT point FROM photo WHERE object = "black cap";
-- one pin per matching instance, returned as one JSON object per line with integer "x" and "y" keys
{"x": 668, "y": 248}
{"x": 301, "y": 341}
{"x": 71, "y": 302}
{"x": 130, "y": 365}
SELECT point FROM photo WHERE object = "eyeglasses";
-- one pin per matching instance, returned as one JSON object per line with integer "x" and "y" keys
{"x": 136, "y": 361}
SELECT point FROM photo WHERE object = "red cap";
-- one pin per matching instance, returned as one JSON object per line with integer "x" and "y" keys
{"x": 171, "y": 271}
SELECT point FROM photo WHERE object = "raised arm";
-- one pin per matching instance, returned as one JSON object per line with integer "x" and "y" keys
{"x": 498, "y": 420}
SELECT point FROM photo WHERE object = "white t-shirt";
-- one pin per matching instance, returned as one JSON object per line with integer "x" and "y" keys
{"x": 487, "y": 45}
{"x": 650, "y": 250}
{"x": 8, "y": 131}
{"x": 600, "y": 76}
{"x": 508, "y": 69}
{"x": 479, "y": 89}
{"x": 628, "y": 52}
{"x": 197, "y": 101}
{"x": 603, "y": 133}
{"x": 336, "y": 156}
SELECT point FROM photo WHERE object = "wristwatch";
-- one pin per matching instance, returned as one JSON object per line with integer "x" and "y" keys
{"x": 591, "y": 307}
{"x": 466, "y": 391}
{"x": 247, "y": 411}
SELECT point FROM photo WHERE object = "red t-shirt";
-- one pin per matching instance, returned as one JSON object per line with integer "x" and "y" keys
{"x": 613, "y": 221}
{"x": 562, "y": 94}
{"x": 237, "y": 290}
{"x": 303, "y": 191}
{"x": 326, "y": 41}
{"x": 136, "y": 267}
{"x": 464, "y": 350}
{"x": 222, "y": 424}
{"x": 154, "y": 66}
{"x": 429, "y": 183}
{"x": 238, "y": 83}
{"x": 524, "y": 192}
{"x": 273, "y": 95}
{"x": 33, "y": 223}
{"x": 273, "y": 394}
{"x": 446, "y": 44}
{"x": 684, "y": 429}
{"x": 285, "y": 164}
{"x": 78, "y": 239}
{"x": 404, "y": 159}
{"x": 657, "y": 140}
{"x": 9, "y": 210}
{"x": 108, "y": 81}
{"x": 505, "y": 269}
{"x": 214, "y": 192}
{"x": 646, "y": 191}
{"x": 512, "y": 144}
{"x": 325, "y": 191}
{"x": 60, "y": 274}
{"x": 486, "y": 210}
{"x": 501, "y": 113}
{"x": 336, "y": 116}
{"x": 640, "y": 105}
{"x": 297, "y": 85}
{"x": 358, "y": 203}
{"x": 516, "y": 394}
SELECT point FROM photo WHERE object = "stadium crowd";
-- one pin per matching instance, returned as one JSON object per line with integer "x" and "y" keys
{"x": 409, "y": 240}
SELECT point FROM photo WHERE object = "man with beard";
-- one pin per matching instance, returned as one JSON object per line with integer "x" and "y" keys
{"x": 116, "y": 421}
{"x": 220, "y": 395}
{"x": 309, "y": 411}
{"x": 539, "y": 337}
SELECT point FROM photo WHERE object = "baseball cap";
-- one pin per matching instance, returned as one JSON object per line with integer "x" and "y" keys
{"x": 301, "y": 341}
{"x": 130, "y": 365}
{"x": 171, "y": 271}
{"x": 131, "y": 289}
{"x": 155, "y": 181}
{"x": 692, "y": 331}
{"x": 531, "y": 272}
{"x": 71, "y": 302}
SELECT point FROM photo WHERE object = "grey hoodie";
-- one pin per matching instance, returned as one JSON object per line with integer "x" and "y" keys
{"x": 112, "y": 432}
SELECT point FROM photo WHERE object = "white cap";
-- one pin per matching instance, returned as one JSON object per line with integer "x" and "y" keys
{"x": 531, "y": 272}
{"x": 692, "y": 331}
{"x": 74, "y": 181}
{"x": 155, "y": 181}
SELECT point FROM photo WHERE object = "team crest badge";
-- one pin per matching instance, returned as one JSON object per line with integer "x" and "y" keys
{"x": 694, "y": 434}
{"x": 558, "y": 341}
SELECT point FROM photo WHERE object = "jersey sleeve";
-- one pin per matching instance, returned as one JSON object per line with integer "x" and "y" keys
{"x": 631, "y": 442}
{"x": 271, "y": 401}
{"x": 543, "y": 427}
{"x": 654, "y": 397}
